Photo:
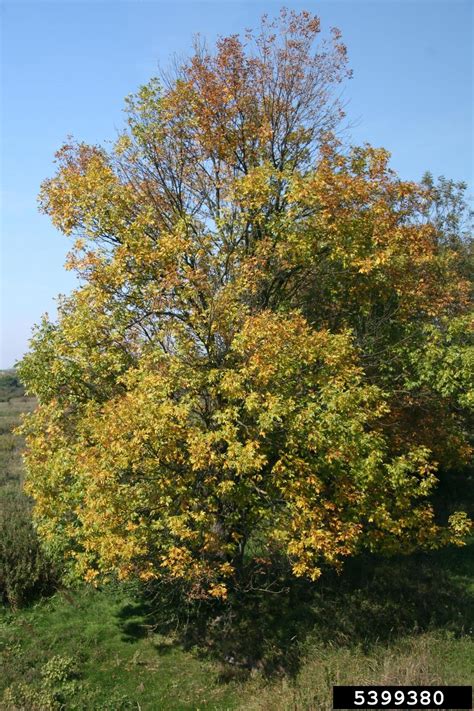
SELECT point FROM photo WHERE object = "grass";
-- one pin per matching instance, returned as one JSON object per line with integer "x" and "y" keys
{"x": 126, "y": 658}
{"x": 13, "y": 403}
{"x": 116, "y": 671}
{"x": 422, "y": 659}
{"x": 407, "y": 620}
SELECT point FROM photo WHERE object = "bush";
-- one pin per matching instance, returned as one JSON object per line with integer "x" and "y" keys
{"x": 58, "y": 684}
{"x": 25, "y": 570}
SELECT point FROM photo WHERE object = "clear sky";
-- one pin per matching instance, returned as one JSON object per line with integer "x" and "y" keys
{"x": 67, "y": 66}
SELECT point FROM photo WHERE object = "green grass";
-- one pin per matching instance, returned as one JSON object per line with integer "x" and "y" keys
{"x": 116, "y": 671}
{"x": 406, "y": 620}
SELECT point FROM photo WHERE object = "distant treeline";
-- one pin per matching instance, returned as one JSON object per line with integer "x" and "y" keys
{"x": 10, "y": 385}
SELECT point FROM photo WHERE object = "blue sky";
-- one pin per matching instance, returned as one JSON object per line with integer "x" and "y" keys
{"x": 67, "y": 66}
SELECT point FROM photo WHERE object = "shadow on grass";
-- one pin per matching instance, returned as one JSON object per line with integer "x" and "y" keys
{"x": 374, "y": 600}
{"x": 133, "y": 620}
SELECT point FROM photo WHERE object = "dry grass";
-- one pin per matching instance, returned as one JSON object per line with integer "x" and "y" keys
{"x": 427, "y": 659}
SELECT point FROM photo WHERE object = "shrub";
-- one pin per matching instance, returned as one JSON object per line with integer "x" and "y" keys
{"x": 58, "y": 684}
{"x": 25, "y": 570}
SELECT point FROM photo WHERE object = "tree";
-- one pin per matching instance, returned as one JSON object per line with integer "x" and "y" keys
{"x": 267, "y": 355}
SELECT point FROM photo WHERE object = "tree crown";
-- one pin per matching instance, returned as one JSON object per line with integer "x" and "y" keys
{"x": 267, "y": 355}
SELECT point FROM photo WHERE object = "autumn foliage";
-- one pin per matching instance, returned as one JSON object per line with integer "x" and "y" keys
{"x": 268, "y": 354}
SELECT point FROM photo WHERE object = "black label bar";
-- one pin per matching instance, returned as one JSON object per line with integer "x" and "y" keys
{"x": 402, "y": 697}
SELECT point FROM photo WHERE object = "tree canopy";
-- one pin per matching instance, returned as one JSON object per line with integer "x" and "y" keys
{"x": 268, "y": 356}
